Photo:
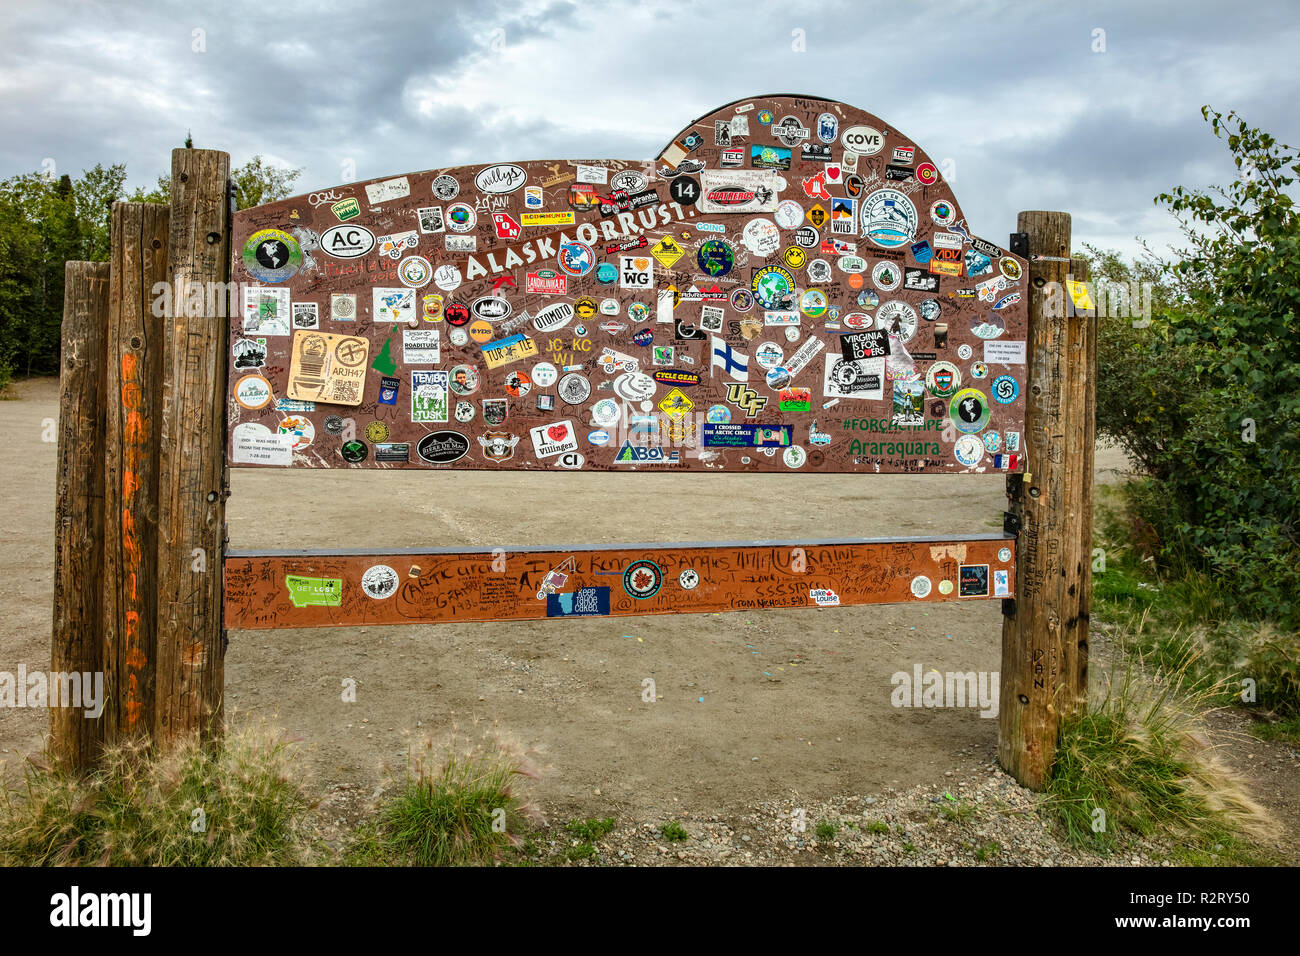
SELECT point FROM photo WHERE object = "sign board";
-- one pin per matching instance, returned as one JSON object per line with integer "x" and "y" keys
{"x": 790, "y": 285}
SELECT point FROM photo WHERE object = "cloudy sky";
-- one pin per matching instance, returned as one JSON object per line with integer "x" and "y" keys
{"x": 1033, "y": 105}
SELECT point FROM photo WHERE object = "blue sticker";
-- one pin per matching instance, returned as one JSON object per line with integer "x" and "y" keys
{"x": 586, "y": 602}
{"x": 1005, "y": 389}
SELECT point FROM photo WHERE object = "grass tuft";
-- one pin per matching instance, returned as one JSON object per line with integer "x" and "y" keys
{"x": 139, "y": 808}
{"x": 461, "y": 804}
{"x": 1140, "y": 756}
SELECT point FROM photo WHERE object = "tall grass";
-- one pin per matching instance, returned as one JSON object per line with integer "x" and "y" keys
{"x": 461, "y": 804}
{"x": 1140, "y": 755}
{"x": 139, "y": 808}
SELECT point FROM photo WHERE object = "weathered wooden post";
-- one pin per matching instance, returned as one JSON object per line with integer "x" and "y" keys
{"x": 139, "y": 261}
{"x": 76, "y": 646}
{"x": 1044, "y": 639}
{"x": 192, "y": 474}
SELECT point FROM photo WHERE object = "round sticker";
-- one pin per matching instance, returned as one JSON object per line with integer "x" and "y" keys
{"x": 464, "y": 380}
{"x": 968, "y": 450}
{"x": 992, "y": 441}
{"x": 334, "y": 425}
{"x": 689, "y": 579}
{"x": 458, "y": 337}
{"x": 354, "y": 452}
{"x": 379, "y": 582}
{"x": 480, "y": 330}
{"x": 792, "y": 333}
{"x": 518, "y": 384}
{"x": 415, "y": 271}
{"x": 920, "y": 586}
{"x": 447, "y": 278}
{"x": 819, "y": 270}
{"x": 605, "y": 412}
{"x": 929, "y": 309}
{"x": 761, "y": 237}
{"x": 794, "y": 457}
{"x": 718, "y": 415}
{"x": 271, "y": 255}
{"x": 813, "y": 303}
{"x": 773, "y": 288}
{"x": 446, "y": 187}
{"x": 943, "y": 379}
{"x": 969, "y": 410}
{"x": 898, "y": 318}
{"x": 778, "y": 377}
{"x": 461, "y": 217}
{"x": 1004, "y": 389}
{"x": 963, "y": 351}
{"x": 887, "y": 276}
{"x": 377, "y": 432}
{"x": 789, "y": 214}
{"x": 715, "y": 257}
{"x": 989, "y": 327}
{"x": 795, "y": 257}
{"x": 574, "y": 389}
{"x": 945, "y": 586}
{"x": 576, "y": 258}
{"x": 979, "y": 370}
{"x": 926, "y": 174}
{"x": 464, "y": 412}
{"x": 768, "y": 354}
{"x": 544, "y": 374}
{"x": 684, "y": 190}
{"x": 742, "y": 300}
{"x": 643, "y": 579}
{"x": 457, "y": 314}
{"x": 943, "y": 212}
{"x": 1004, "y": 555}
{"x": 1010, "y": 268}
{"x": 889, "y": 218}
{"x": 254, "y": 392}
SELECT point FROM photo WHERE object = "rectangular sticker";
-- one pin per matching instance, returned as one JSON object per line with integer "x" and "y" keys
{"x": 255, "y": 444}
{"x": 748, "y": 436}
{"x": 586, "y": 602}
{"x": 1004, "y": 352}
{"x": 330, "y": 368}
{"x": 973, "y": 580}
{"x": 420, "y": 347}
{"x": 397, "y": 188}
{"x": 429, "y": 395}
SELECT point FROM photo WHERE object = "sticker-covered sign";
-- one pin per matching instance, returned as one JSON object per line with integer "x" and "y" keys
{"x": 788, "y": 285}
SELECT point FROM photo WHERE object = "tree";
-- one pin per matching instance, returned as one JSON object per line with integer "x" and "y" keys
{"x": 1213, "y": 385}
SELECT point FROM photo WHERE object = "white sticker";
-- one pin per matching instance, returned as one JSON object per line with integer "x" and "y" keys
{"x": 1002, "y": 352}
{"x": 397, "y": 188}
{"x": 256, "y": 444}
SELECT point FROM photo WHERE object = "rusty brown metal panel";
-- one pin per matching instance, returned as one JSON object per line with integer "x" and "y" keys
{"x": 457, "y": 318}
{"x": 338, "y": 589}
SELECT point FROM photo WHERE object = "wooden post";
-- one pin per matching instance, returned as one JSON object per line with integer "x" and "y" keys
{"x": 1044, "y": 641}
{"x": 193, "y": 488}
{"x": 139, "y": 262}
{"x": 79, "y": 507}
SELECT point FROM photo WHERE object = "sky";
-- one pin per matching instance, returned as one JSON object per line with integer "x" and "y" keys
{"x": 1090, "y": 108}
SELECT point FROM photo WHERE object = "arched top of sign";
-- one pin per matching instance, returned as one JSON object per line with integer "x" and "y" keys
{"x": 788, "y": 286}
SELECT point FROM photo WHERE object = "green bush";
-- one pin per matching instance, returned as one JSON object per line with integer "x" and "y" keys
{"x": 1206, "y": 398}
